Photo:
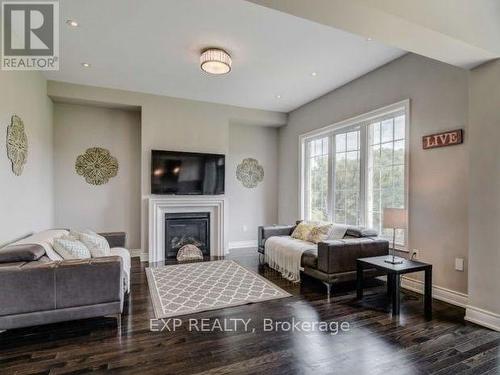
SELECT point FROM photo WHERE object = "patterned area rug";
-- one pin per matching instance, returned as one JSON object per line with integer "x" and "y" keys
{"x": 194, "y": 287}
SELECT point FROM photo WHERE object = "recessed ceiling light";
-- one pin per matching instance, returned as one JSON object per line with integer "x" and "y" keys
{"x": 278, "y": 96}
{"x": 314, "y": 74}
{"x": 215, "y": 61}
{"x": 86, "y": 65}
{"x": 72, "y": 23}
{"x": 369, "y": 39}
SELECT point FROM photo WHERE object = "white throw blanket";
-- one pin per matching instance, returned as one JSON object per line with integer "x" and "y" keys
{"x": 284, "y": 253}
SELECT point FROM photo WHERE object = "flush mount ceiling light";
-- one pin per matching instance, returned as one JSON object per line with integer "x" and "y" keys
{"x": 215, "y": 61}
{"x": 86, "y": 65}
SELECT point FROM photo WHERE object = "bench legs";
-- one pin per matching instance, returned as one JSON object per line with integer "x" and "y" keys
{"x": 118, "y": 318}
{"x": 328, "y": 288}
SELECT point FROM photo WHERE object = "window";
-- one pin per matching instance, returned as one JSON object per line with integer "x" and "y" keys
{"x": 353, "y": 170}
{"x": 386, "y": 171}
{"x": 346, "y": 178}
{"x": 317, "y": 179}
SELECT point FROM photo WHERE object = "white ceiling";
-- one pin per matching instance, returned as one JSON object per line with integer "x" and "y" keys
{"x": 153, "y": 46}
{"x": 464, "y": 33}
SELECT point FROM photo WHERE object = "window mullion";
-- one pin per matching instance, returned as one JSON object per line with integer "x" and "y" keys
{"x": 307, "y": 187}
{"x": 363, "y": 152}
{"x": 331, "y": 176}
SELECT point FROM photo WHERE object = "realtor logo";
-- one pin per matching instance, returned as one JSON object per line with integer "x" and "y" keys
{"x": 30, "y": 35}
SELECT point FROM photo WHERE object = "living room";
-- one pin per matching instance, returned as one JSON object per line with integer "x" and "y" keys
{"x": 184, "y": 183}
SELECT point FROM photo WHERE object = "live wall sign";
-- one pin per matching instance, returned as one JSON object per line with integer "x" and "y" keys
{"x": 453, "y": 137}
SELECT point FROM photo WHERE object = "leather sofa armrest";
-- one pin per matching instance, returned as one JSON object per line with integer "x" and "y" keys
{"x": 340, "y": 255}
{"x": 37, "y": 286}
{"x": 115, "y": 239}
{"x": 26, "y": 287}
{"x": 89, "y": 281}
{"x": 273, "y": 230}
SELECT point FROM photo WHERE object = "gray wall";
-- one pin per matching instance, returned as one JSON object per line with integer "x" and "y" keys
{"x": 26, "y": 201}
{"x": 116, "y": 205}
{"x": 170, "y": 124}
{"x": 484, "y": 201}
{"x": 249, "y": 208}
{"x": 439, "y": 178}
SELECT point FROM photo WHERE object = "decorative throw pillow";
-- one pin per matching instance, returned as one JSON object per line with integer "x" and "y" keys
{"x": 68, "y": 247}
{"x": 338, "y": 231}
{"x": 302, "y": 230}
{"x": 97, "y": 245}
{"x": 320, "y": 233}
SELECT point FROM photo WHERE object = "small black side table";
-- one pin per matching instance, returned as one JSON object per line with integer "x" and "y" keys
{"x": 394, "y": 271}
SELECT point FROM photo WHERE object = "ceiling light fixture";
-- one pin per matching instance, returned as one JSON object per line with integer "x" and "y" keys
{"x": 314, "y": 74}
{"x": 369, "y": 39}
{"x": 86, "y": 65}
{"x": 72, "y": 23}
{"x": 278, "y": 96}
{"x": 215, "y": 61}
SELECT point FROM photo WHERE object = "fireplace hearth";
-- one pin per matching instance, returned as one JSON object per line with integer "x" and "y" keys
{"x": 182, "y": 228}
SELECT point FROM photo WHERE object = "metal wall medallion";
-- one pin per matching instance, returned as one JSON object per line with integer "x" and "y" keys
{"x": 17, "y": 145}
{"x": 97, "y": 166}
{"x": 250, "y": 173}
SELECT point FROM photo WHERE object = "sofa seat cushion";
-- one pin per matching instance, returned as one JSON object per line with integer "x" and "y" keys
{"x": 310, "y": 259}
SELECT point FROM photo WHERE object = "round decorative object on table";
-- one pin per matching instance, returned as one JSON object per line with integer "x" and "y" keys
{"x": 189, "y": 252}
{"x": 17, "y": 145}
{"x": 250, "y": 173}
{"x": 97, "y": 166}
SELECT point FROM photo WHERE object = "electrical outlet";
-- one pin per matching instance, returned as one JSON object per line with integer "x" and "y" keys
{"x": 414, "y": 254}
{"x": 459, "y": 264}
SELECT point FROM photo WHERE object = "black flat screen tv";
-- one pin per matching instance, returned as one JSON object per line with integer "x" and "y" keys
{"x": 187, "y": 173}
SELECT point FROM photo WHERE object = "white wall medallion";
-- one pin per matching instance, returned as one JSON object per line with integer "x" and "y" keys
{"x": 250, "y": 173}
{"x": 17, "y": 145}
{"x": 97, "y": 166}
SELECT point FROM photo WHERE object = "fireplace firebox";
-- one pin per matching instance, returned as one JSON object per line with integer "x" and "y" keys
{"x": 182, "y": 228}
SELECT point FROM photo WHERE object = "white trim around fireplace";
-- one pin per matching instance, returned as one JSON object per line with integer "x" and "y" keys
{"x": 159, "y": 206}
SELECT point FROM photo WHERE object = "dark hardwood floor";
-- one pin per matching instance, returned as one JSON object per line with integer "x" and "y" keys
{"x": 375, "y": 343}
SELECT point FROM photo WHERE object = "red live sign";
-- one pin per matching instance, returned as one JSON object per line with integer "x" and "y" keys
{"x": 454, "y": 137}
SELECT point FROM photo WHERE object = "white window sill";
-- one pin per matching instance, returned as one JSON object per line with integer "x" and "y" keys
{"x": 401, "y": 248}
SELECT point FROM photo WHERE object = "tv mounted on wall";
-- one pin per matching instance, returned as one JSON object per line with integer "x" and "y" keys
{"x": 187, "y": 173}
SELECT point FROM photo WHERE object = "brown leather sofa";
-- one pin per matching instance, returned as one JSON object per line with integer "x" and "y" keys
{"x": 333, "y": 261}
{"x": 35, "y": 290}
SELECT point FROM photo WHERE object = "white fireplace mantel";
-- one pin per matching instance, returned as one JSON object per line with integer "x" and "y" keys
{"x": 160, "y": 205}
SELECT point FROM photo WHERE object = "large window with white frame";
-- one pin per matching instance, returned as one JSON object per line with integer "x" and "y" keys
{"x": 351, "y": 171}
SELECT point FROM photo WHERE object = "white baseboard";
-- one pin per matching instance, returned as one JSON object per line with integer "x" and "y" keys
{"x": 242, "y": 244}
{"x": 137, "y": 253}
{"x": 482, "y": 317}
{"x": 443, "y": 294}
